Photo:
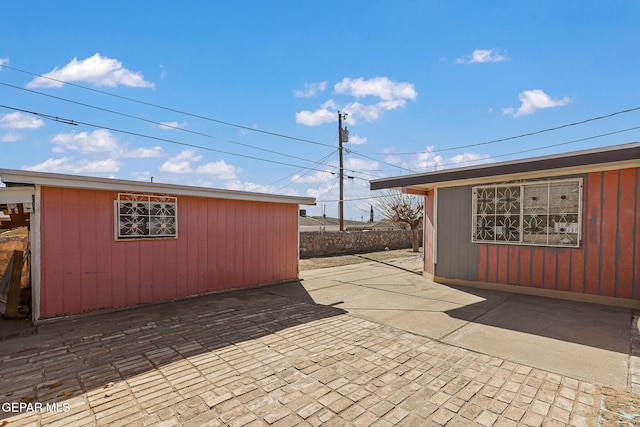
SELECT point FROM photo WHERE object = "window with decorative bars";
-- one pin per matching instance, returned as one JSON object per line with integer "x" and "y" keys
{"x": 546, "y": 213}
{"x": 143, "y": 216}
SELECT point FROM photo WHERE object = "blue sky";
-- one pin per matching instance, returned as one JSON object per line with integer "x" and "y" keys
{"x": 250, "y": 90}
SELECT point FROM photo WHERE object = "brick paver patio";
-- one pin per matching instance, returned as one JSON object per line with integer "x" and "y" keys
{"x": 254, "y": 358}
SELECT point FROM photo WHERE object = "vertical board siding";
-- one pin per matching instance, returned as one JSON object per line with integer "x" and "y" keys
{"x": 537, "y": 262}
{"x": 221, "y": 244}
{"x": 88, "y": 262}
{"x": 503, "y": 264}
{"x": 636, "y": 234}
{"x": 627, "y": 229}
{"x": 513, "y": 262}
{"x": 607, "y": 263}
{"x": 549, "y": 278}
{"x": 50, "y": 249}
{"x": 563, "y": 269}
{"x": 592, "y": 228}
{"x": 609, "y": 233}
{"x": 109, "y": 266}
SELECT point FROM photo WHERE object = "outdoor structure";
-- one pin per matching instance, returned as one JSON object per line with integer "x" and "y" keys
{"x": 100, "y": 243}
{"x": 565, "y": 226}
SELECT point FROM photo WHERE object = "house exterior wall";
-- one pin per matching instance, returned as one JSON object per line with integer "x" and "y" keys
{"x": 606, "y": 264}
{"x": 221, "y": 244}
{"x": 457, "y": 256}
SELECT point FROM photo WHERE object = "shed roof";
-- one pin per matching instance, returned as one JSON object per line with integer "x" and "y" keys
{"x": 22, "y": 177}
{"x": 604, "y": 158}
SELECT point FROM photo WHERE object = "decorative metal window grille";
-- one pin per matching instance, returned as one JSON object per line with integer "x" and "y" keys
{"x": 142, "y": 216}
{"x": 537, "y": 213}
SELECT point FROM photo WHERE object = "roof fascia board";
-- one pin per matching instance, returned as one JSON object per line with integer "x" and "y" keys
{"x": 93, "y": 183}
{"x": 529, "y": 175}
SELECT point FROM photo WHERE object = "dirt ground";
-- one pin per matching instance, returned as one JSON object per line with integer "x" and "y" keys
{"x": 338, "y": 260}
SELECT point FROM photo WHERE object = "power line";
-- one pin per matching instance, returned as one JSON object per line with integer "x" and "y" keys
{"x": 170, "y": 141}
{"x": 154, "y": 122}
{"x": 541, "y": 148}
{"x": 302, "y": 175}
{"x": 380, "y": 161}
{"x": 171, "y": 126}
{"x": 521, "y": 135}
{"x": 161, "y": 107}
{"x": 296, "y": 172}
{"x": 72, "y": 122}
{"x": 552, "y": 145}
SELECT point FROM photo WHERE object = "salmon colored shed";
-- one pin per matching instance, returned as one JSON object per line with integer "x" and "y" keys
{"x": 100, "y": 243}
{"x": 564, "y": 226}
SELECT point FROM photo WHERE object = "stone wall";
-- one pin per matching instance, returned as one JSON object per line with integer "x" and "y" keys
{"x": 326, "y": 243}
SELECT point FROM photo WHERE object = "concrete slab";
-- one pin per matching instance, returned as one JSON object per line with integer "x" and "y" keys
{"x": 580, "y": 340}
{"x": 585, "y": 341}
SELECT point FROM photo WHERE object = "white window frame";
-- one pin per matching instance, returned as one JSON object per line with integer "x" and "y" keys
{"x": 133, "y": 222}
{"x": 519, "y": 214}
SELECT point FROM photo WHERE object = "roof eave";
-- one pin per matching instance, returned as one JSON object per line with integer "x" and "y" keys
{"x": 10, "y": 176}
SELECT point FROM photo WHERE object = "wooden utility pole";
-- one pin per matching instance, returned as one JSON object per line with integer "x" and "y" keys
{"x": 341, "y": 200}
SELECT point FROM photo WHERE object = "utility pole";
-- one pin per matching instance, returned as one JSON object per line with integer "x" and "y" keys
{"x": 343, "y": 136}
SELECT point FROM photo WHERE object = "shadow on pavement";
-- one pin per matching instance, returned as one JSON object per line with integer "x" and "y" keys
{"x": 84, "y": 354}
{"x": 592, "y": 325}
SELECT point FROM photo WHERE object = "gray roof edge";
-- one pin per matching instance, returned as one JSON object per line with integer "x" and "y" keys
{"x": 96, "y": 183}
{"x": 601, "y": 155}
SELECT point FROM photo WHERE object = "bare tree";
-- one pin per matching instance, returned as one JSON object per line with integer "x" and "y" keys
{"x": 406, "y": 209}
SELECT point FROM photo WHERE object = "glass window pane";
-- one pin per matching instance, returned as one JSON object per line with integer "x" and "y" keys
{"x": 485, "y": 200}
{"x": 538, "y": 213}
{"x": 144, "y": 216}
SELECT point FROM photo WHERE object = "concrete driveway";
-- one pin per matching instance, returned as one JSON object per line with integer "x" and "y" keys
{"x": 580, "y": 340}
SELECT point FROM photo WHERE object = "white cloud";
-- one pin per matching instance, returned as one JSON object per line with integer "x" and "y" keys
{"x": 180, "y": 163}
{"x": 144, "y": 153}
{"x": 83, "y": 166}
{"x": 310, "y": 89}
{"x": 357, "y": 140}
{"x": 172, "y": 125}
{"x": 468, "y": 159}
{"x": 429, "y": 160}
{"x": 98, "y": 141}
{"x": 3, "y": 61}
{"x": 20, "y": 120}
{"x": 392, "y": 95}
{"x": 103, "y": 142}
{"x": 141, "y": 176}
{"x": 219, "y": 169}
{"x": 393, "y": 159}
{"x": 97, "y": 70}
{"x": 185, "y": 163}
{"x": 381, "y": 87}
{"x": 11, "y": 137}
{"x": 316, "y": 118}
{"x": 361, "y": 164}
{"x": 480, "y": 56}
{"x": 328, "y": 190}
{"x": 533, "y": 100}
{"x": 261, "y": 188}
{"x": 371, "y": 112}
